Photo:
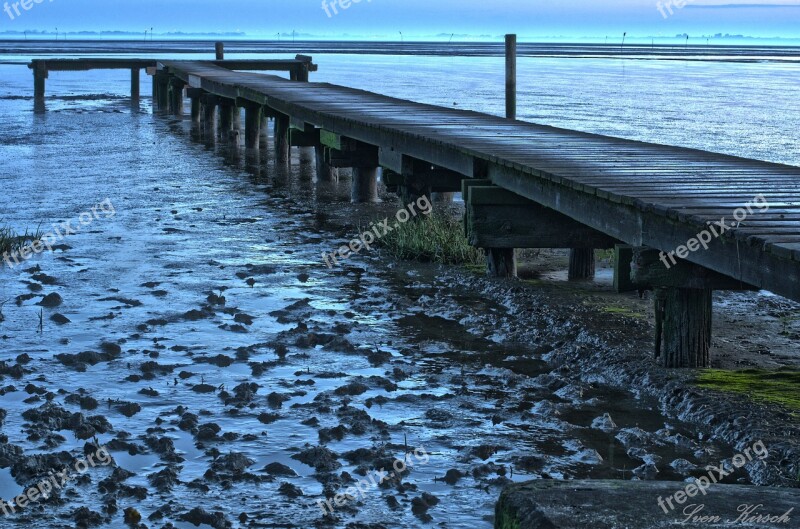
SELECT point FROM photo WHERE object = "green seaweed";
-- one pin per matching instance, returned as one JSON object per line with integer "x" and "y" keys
{"x": 780, "y": 387}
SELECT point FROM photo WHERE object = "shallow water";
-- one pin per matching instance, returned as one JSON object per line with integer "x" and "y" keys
{"x": 190, "y": 216}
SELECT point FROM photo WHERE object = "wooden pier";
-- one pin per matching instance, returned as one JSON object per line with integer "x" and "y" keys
{"x": 532, "y": 186}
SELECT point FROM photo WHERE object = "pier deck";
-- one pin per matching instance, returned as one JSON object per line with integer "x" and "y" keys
{"x": 642, "y": 194}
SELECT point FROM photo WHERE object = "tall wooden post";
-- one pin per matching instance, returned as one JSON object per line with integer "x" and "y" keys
{"x": 226, "y": 107}
{"x": 511, "y": 76}
{"x": 219, "y": 47}
{"x": 135, "y": 85}
{"x": 252, "y": 129}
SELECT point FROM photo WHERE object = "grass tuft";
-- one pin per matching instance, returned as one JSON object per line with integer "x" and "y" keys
{"x": 11, "y": 241}
{"x": 438, "y": 238}
{"x": 775, "y": 387}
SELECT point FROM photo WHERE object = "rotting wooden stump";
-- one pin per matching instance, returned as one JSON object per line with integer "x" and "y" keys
{"x": 683, "y": 306}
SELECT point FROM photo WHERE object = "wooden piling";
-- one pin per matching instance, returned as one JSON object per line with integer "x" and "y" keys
{"x": 219, "y": 47}
{"x": 511, "y": 76}
{"x": 252, "y": 129}
{"x": 209, "y": 116}
{"x": 281, "y": 138}
{"x": 196, "y": 109}
{"x": 226, "y": 109}
{"x": 364, "y": 185}
{"x": 39, "y": 76}
{"x": 581, "y": 264}
{"x": 501, "y": 262}
{"x": 161, "y": 80}
{"x": 685, "y": 321}
{"x": 325, "y": 172}
{"x": 135, "y": 85}
{"x": 176, "y": 96}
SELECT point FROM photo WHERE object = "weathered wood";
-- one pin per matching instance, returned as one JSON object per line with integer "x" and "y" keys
{"x": 252, "y": 132}
{"x": 325, "y": 172}
{"x": 623, "y": 258}
{"x": 281, "y": 138}
{"x": 496, "y": 218}
{"x": 364, "y": 184}
{"x": 652, "y": 268}
{"x": 687, "y": 318}
{"x": 39, "y": 79}
{"x": 176, "y": 96}
{"x": 135, "y": 84}
{"x": 511, "y": 76}
{"x": 196, "y": 109}
{"x": 209, "y": 103}
{"x": 226, "y": 110}
{"x": 609, "y": 184}
{"x": 219, "y": 48}
{"x": 581, "y": 264}
{"x": 161, "y": 80}
{"x": 501, "y": 262}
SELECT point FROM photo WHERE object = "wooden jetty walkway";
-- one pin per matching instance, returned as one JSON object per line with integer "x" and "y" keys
{"x": 532, "y": 186}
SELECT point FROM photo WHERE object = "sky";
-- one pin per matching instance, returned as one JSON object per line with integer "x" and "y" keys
{"x": 381, "y": 19}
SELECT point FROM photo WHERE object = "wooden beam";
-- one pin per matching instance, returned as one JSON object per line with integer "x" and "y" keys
{"x": 497, "y": 218}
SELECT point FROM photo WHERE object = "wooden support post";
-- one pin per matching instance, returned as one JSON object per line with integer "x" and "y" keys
{"x": 219, "y": 47}
{"x": 303, "y": 70}
{"x": 683, "y": 317}
{"x": 325, "y": 172}
{"x": 135, "y": 85}
{"x": 365, "y": 184}
{"x": 226, "y": 109}
{"x": 511, "y": 76}
{"x": 39, "y": 76}
{"x": 176, "y": 97}
{"x": 281, "y": 137}
{"x": 161, "y": 80}
{"x": 683, "y": 305}
{"x": 196, "y": 108}
{"x": 581, "y": 263}
{"x": 623, "y": 256}
{"x": 252, "y": 132}
{"x": 210, "y": 116}
{"x": 237, "y": 117}
{"x": 501, "y": 262}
